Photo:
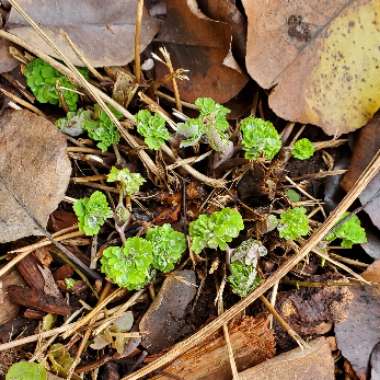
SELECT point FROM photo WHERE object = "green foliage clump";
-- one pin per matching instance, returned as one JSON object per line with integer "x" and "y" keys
{"x": 243, "y": 273}
{"x": 211, "y": 125}
{"x": 129, "y": 266}
{"x": 303, "y": 149}
{"x": 293, "y": 223}
{"x": 260, "y": 139}
{"x": 350, "y": 232}
{"x": 45, "y": 81}
{"x": 215, "y": 230}
{"x": 92, "y": 212}
{"x": 130, "y": 182}
{"x": 26, "y": 371}
{"x": 73, "y": 123}
{"x": 168, "y": 246}
{"x": 101, "y": 128}
{"x": 152, "y": 128}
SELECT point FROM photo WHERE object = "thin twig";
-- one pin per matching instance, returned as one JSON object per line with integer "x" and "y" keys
{"x": 139, "y": 16}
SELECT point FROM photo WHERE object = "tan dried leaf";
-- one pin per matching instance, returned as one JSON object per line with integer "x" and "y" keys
{"x": 323, "y": 57}
{"x": 103, "y": 31}
{"x": 34, "y": 173}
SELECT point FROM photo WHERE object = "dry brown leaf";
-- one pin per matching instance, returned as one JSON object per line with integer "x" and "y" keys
{"x": 7, "y": 62}
{"x": 8, "y": 310}
{"x": 103, "y": 32}
{"x": 34, "y": 173}
{"x": 314, "y": 363}
{"x": 357, "y": 336}
{"x": 322, "y": 56}
{"x": 202, "y": 46}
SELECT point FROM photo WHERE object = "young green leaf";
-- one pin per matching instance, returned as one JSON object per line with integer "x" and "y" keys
{"x": 215, "y": 230}
{"x": 168, "y": 246}
{"x": 350, "y": 232}
{"x": 152, "y": 128}
{"x": 130, "y": 182}
{"x": 102, "y": 129}
{"x": 47, "y": 84}
{"x": 211, "y": 125}
{"x": 293, "y": 223}
{"x": 260, "y": 139}
{"x": 293, "y": 195}
{"x": 92, "y": 212}
{"x": 26, "y": 371}
{"x": 243, "y": 278}
{"x": 129, "y": 266}
{"x": 303, "y": 149}
{"x": 73, "y": 123}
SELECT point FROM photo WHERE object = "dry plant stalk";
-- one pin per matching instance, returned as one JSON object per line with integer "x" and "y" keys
{"x": 181, "y": 347}
{"x": 139, "y": 16}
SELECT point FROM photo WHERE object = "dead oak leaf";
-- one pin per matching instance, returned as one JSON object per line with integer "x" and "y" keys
{"x": 322, "y": 56}
{"x": 103, "y": 31}
{"x": 34, "y": 173}
{"x": 202, "y": 46}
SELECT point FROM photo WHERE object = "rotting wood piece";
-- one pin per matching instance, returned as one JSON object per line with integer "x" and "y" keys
{"x": 28, "y": 268}
{"x": 252, "y": 343}
{"x": 35, "y": 299}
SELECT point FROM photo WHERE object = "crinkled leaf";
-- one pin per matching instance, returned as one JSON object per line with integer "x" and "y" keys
{"x": 130, "y": 182}
{"x": 293, "y": 223}
{"x": 303, "y": 149}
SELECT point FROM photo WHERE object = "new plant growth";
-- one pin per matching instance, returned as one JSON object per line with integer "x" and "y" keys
{"x": 168, "y": 246}
{"x": 92, "y": 212}
{"x": 303, "y": 149}
{"x": 130, "y": 182}
{"x": 50, "y": 86}
{"x": 26, "y": 371}
{"x": 349, "y": 231}
{"x": 129, "y": 266}
{"x": 215, "y": 230}
{"x": 260, "y": 139}
{"x": 243, "y": 273}
{"x": 210, "y": 126}
{"x": 293, "y": 223}
{"x": 101, "y": 128}
{"x": 73, "y": 123}
{"x": 152, "y": 128}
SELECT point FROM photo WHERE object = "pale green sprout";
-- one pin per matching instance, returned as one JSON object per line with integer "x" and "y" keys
{"x": 130, "y": 182}
{"x": 303, "y": 149}
{"x": 92, "y": 212}
{"x": 73, "y": 123}
{"x": 215, "y": 230}
{"x": 293, "y": 223}
{"x": 26, "y": 371}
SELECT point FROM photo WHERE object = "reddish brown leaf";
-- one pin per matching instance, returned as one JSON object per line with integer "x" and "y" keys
{"x": 202, "y": 46}
{"x": 8, "y": 310}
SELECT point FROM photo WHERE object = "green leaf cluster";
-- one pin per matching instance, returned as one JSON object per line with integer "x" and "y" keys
{"x": 101, "y": 128}
{"x": 243, "y": 274}
{"x": 152, "y": 128}
{"x": 44, "y": 80}
{"x": 260, "y": 139}
{"x": 350, "y": 232}
{"x": 303, "y": 149}
{"x": 26, "y": 371}
{"x": 215, "y": 230}
{"x": 130, "y": 182}
{"x": 168, "y": 246}
{"x": 129, "y": 266}
{"x": 293, "y": 223}
{"x": 211, "y": 125}
{"x": 73, "y": 123}
{"x": 92, "y": 212}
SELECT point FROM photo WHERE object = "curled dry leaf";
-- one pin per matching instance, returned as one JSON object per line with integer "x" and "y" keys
{"x": 202, "y": 46}
{"x": 322, "y": 56}
{"x": 104, "y": 33}
{"x": 360, "y": 332}
{"x": 34, "y": 173}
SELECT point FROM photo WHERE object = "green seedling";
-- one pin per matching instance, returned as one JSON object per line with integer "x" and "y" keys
{"x": 293, "y": 195}
{"x": 293, "y": 223}
{"x": 303, "y": 149}
{"x": 101, "y": 128}
{"x": 50, "y": 86}
{"x": 152, "y": 128}
{"x": 73, "y": 123}
{"x": 129, "y": 266}
{"x": 349, "y": 231}
{"x": 243, "y": 273}
{"x": 215, "y": 230}
{"x": 211, "y": 126}
{"x": 26, "y": 371}
{"x": 168, "y": 246}
{"x": 130, "y": 182}
{"x": 260, "y": 139}
{"x": 92, "y": 212}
